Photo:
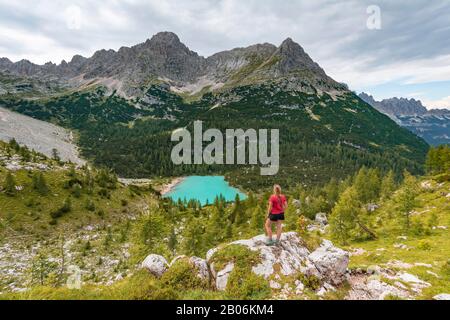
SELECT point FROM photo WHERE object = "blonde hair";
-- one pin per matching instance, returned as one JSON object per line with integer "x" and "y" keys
{"x": 277, "y": 189}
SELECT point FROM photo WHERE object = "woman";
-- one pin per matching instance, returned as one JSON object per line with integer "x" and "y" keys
{"x": 277, "y": 206}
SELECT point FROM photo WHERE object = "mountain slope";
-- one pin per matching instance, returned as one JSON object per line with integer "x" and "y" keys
{"x": 38, "y": 135}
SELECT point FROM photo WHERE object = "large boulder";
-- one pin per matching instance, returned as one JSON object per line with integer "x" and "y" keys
{"x": 155, "y": 264}
{"x": 331, "y": 262}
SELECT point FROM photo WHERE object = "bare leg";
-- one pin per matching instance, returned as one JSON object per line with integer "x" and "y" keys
{"x": 269, "y": 228}
{"x": 279, "y": 229}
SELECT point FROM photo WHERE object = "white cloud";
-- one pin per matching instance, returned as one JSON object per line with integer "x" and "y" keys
{"x": 443, "y": 103}
{"x": 411, "y": 47}
{"x": 358, "y": 75}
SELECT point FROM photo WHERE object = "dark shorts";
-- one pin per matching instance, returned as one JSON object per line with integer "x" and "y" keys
{"x": 276, "y": 217}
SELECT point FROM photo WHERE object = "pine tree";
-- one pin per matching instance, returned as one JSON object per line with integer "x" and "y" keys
{"x": 388, "y": 185}
{"x": 172, "y": 244}
{"x": 192, "y": 241}
{"x": 367, "y": 184}
{"x": 10, "y": 185}
{"x": 347, "y": 217}
{"x": 257, "y": 220}
{"x": 406, "y": 198}
{"x": 55, "y": 154}
{"x": 40, "y": 184}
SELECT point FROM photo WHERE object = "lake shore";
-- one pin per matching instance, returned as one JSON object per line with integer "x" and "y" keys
{"x": 169, "y": 187}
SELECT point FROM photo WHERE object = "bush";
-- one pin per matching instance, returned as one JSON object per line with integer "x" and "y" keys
{"x": 424, "y": 245}
{"x": 90, "y": 205}
{"x": 182, "y": 276}
{"x": 240, "y": 255}
{"x": 302, "y": 225}
{"x": 446, "y": 268}
{"x": 243, "y": 284}
{"x": 164, "y": 294}
{"x": 76, "y": 190}
{"x": 104, "y": 193}
{"x": 66, "y": 208}
{"x": 311, "y": 281}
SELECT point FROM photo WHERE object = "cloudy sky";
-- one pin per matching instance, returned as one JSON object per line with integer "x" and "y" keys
{"x": 402, "y": 49}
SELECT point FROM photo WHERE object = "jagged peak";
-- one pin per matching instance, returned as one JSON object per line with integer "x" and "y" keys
{"x": 165, "y": 37}
{"x": 290, "y": 46}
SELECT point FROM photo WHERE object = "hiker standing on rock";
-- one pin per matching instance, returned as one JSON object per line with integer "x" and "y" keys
{"x": 277, "y": 206}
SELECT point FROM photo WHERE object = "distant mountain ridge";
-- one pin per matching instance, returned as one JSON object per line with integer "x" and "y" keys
{"x": 165, "y": 58}
{"x": 432, "y": 125}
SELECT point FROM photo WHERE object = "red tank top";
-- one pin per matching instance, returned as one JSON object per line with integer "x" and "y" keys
{"x": 277, "y": 203}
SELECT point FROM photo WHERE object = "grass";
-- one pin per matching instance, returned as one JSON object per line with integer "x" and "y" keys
{"x": 431, "y": 247}
{"x": 28, "y": 212}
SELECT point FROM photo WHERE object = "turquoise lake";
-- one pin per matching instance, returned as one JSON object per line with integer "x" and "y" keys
{"x": 204, "y": 189}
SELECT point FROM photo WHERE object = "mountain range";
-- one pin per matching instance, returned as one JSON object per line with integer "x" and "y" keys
{"x": 432, "y": 125}
{"x": 124, "y": 104}
{"x": 165, "y": 58}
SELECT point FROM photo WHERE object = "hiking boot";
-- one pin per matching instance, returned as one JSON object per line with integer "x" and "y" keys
{"x": 269, "y": 242}
{"x": 277, "y": 242}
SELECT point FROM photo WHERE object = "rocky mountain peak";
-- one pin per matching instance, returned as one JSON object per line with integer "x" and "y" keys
{"x": 165, "y": 57}
{"x": 165, "y": 37}
{"x": 294, "y": 58}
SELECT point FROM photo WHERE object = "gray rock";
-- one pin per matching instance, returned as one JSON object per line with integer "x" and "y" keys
{"x": 222, "y": 277}
{"x": 331, "y": 262}
{"x": 155, "y": 264}
{"x": 321, "y": 218}
{"x": 288, "y": 258}
{"x": 201, "y": 267}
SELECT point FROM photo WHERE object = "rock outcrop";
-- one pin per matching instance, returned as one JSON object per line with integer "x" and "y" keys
{"x": 327, "y": 264}
{"x": 331, "y": 262}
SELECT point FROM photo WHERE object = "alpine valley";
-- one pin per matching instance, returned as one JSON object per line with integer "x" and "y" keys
{"x": 85, "y": 158}
{"x": 123, "y": 106}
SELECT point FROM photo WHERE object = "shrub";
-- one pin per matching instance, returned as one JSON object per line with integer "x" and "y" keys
{"x": 66, "y": 208}
{"x": 76, "y": 190}
{"x": 446, "y": 268}
{"x": 424, "y": 245}
{"x": 40, "y": 184}
{"x": 104, "y": 193}
{"x": 302, "y": 225}
{"x": 164, "y": 294}
{"x": 182, "y": 276}
{"x": 312, "y": 240}
{"x": 240, "y": 255}
{"x": 309, "y": 281}
{"x": 243, "y": 284}
{"x": 90, "y": 205}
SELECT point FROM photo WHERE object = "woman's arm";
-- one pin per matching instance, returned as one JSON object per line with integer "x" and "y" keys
{"x": 285, "y": 204}
{"x": 269, "y": 207}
